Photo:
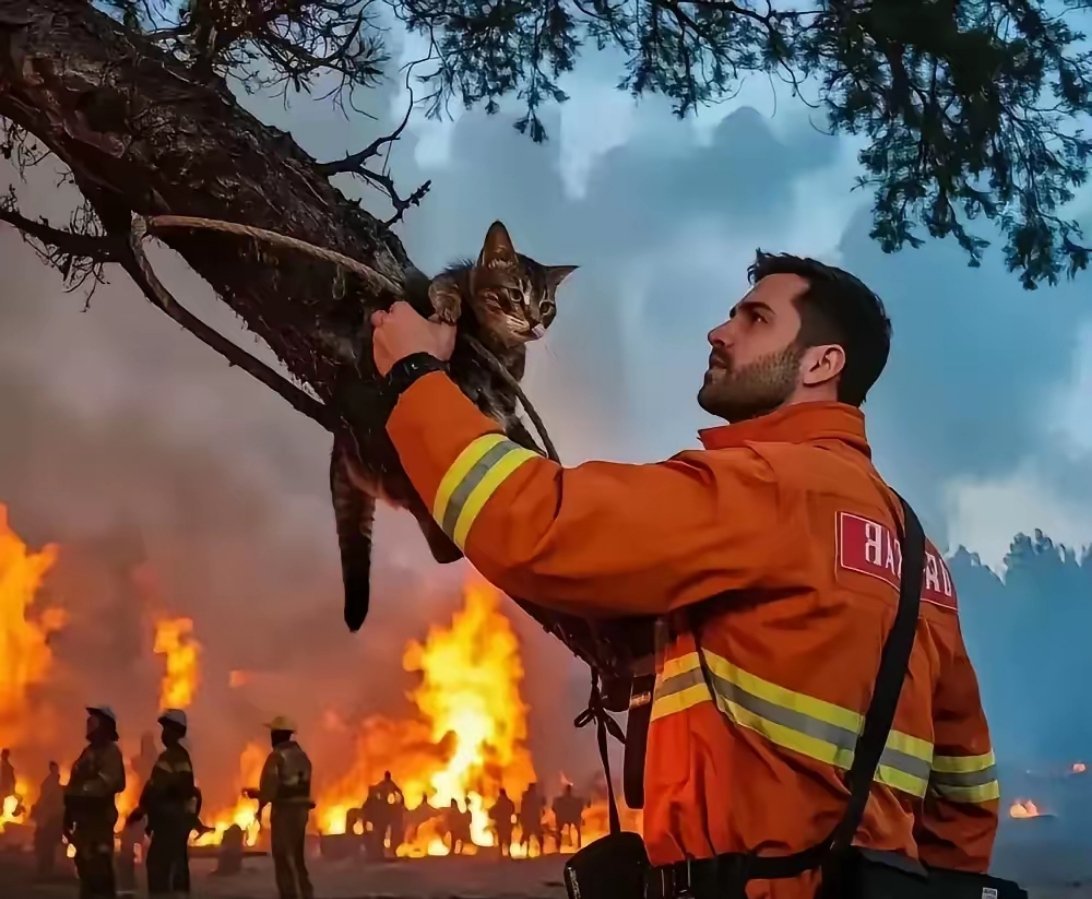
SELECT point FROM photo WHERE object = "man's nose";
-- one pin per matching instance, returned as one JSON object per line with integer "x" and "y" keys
{"x": 720, "y": 336}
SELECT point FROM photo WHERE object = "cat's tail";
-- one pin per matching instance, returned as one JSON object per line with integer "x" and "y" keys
{"x": 354, "y": 512}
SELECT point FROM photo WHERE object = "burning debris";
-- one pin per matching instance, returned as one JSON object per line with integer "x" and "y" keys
{"x": 1024, "y": 808}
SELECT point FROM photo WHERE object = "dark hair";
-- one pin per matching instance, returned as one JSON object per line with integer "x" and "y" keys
{"x": 836, "y": 308}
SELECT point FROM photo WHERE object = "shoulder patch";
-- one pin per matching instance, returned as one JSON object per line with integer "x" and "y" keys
{"x": 871, "y": 548}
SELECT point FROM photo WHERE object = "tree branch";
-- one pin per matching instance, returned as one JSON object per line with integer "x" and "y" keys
{"x": 354, "y": 164}
{"x": 135, "y": 262}
{"x": 96, "y": 248}
{"x": 354, "y": 161}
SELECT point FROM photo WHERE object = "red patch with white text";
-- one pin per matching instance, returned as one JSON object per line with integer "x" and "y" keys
{"x": 869, "y": 547}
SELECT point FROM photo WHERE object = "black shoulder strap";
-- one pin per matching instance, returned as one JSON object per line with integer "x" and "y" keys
{"x": 894, "y": 661}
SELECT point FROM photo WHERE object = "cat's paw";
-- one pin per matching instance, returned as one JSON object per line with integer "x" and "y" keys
{"x": 447, "y": 303}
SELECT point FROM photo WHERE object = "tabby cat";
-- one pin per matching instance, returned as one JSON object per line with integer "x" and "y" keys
{"x": 504, "y": 300}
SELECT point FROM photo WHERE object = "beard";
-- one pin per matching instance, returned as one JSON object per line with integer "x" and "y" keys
{"x": 738, "y": 394}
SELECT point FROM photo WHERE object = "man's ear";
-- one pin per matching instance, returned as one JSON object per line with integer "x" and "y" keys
{"x": 822, "y": 364}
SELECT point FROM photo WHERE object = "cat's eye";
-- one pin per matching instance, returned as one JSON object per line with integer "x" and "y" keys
{"x": 546, "y": 307}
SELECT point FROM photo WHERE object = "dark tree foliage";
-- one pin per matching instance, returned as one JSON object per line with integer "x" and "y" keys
{"x": 971, "y": 108}
{"x": 1027, "y": 634}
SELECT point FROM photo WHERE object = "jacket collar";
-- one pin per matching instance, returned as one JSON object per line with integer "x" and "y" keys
{"x": 798, "y": 423}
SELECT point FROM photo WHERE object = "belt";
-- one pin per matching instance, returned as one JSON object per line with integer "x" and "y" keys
{"x": 723, "y": 877}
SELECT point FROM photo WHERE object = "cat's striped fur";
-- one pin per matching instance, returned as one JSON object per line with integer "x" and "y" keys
{"x": 504, "y": 299}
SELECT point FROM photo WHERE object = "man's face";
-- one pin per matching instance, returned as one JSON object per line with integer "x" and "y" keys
{"x": 93, "y": 724}
{"x": 755, "y": 363}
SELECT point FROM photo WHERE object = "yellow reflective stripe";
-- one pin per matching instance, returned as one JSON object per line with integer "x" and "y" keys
{"x": 966, "y": 778}
{"x": 963, "y": 764}
{"x": 466, "y": 460}
{"x": 485, "y": 488}
{"x": 679, "y": 702}
{"x": 472, "y": 478}
{"x": 805, "y": 724}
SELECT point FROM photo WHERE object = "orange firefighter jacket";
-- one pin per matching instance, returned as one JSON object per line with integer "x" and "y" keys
{"x": 775, "y": 546}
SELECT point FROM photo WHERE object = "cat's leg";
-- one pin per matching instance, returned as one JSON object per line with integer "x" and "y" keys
{"x": 446, "y": 300}
{"x": 517, "y": 431}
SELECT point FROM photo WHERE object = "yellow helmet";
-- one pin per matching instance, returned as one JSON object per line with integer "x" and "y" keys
{"x": 282, "y": 722}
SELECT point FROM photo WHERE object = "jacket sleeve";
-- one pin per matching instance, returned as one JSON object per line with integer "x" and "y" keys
{"x": 270, "y": 782}
{"x": 959, "y": 815}
{"x": 600, "y": 539}
{"x": 110, "y": 777}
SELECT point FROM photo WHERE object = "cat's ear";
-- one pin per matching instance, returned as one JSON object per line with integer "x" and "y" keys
{"x": 497, "y": 251}
{"x": 555, "y": 274}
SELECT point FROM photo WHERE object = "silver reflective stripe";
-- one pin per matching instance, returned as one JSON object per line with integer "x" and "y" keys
{"x": 964, "y": 778}
{"x": 471, "y": 480}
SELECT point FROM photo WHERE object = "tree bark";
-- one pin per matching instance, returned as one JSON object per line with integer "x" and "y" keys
{"x": 143, "y": 135}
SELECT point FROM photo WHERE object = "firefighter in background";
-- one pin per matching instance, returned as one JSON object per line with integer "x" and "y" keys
{"x": 390, "y": 809}
{"x": 531, "y": 808}
{"x": 769, "y": 558}
{"x": 457, "y": 825}
{"x": 90, "y": 813}
{"x": 7, "y": 776}
{"x": 568, "y": 811}
{"x": 169, "y": 801}
{"x": 286, "y": 787}
{"x": 503, "y": 816}
{"x": 418, "y": 816}
{"x": 48, "y": 818}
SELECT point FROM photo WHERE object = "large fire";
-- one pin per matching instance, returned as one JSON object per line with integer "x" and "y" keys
{"x": 174, "y": 640}
{"x": 468, "y": 740}
{"x": 465, "y": 741}
{"x": 25, "y": 657}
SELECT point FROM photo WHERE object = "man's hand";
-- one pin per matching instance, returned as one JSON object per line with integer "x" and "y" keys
{"x": 401, "y": 332}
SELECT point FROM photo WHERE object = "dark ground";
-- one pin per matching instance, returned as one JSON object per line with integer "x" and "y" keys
{"x": 1049, "y": 869}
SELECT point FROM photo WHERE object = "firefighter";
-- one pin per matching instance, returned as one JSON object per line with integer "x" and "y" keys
{"x": 531, "y": 807}
{"x": 503, "y": 816}
{"x": 286, "y": 787}
{"x": 390, "y": 807}
{"x": 169, "y": 801}
{"x": 769, "y": 561}
{"x": 568, "y": 811}
{"x": 7, "y": 776}
{"x": 96, "y": 778}
{"x": 48, "y": 817}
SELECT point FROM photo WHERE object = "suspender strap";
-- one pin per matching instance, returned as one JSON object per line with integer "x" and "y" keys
{"x": 894, "y": 661}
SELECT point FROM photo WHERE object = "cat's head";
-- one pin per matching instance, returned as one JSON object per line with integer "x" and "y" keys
{"x": 513, "y": 295}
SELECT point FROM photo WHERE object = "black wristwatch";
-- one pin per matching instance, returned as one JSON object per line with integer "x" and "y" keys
{"x": 407, "y": 370}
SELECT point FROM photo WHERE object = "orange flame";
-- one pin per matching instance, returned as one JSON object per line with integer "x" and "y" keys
{"x": 25, "y": 657}
{"x": 1024, "y": 808}
{"x": 469, "y": 741}
{"x": 243, "y": 812}
{"x": 174, "y": 640}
